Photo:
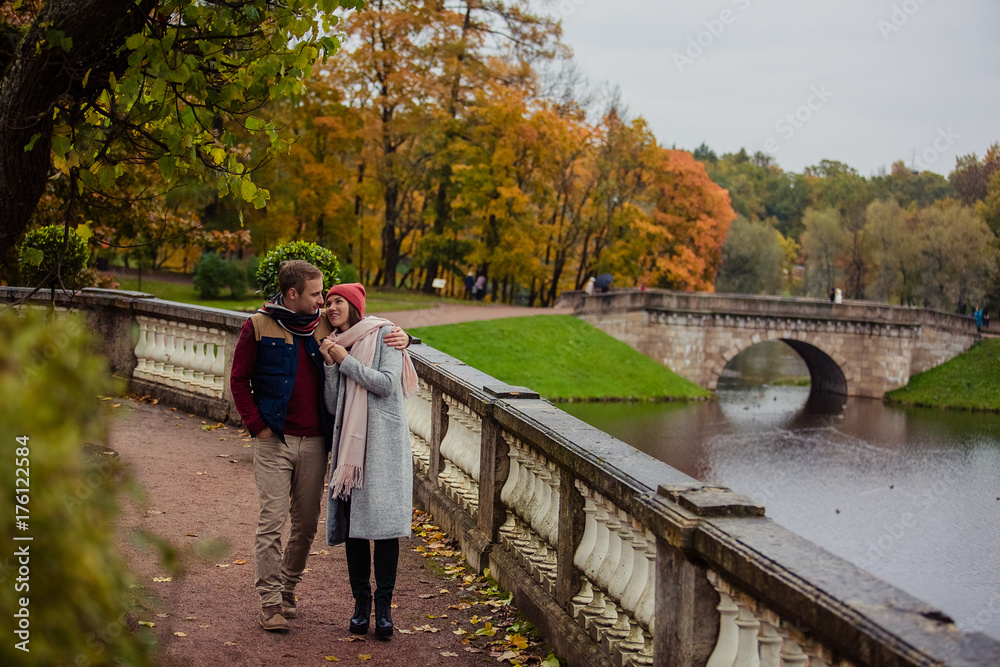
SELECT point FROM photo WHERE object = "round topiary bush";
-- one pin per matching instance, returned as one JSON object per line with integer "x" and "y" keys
{"x": 317, "y": 255}
{"x": 40, "y": 249}
{"x": 211, "y": 276}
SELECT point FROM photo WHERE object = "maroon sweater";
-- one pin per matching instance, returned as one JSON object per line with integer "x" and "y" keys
{"x": 304, "y": 406}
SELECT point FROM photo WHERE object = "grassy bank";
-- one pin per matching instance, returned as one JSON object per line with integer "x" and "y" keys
{"x": 970, "y": 381}
{"x": 184, "y": 292}
{"x": 560, "y": 357}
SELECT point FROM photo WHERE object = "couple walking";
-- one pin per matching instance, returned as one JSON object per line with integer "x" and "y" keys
{"x": 314, "y": 386}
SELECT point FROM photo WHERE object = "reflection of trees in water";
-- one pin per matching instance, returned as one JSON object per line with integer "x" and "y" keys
{"x": 770, "y": 362}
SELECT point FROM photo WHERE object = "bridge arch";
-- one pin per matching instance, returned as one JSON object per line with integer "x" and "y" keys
{"x": 827, "y": 377}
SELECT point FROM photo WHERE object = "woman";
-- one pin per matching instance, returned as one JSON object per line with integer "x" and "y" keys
{"x": 371, "y": 464}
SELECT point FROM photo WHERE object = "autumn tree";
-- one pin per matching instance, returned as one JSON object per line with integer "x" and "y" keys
{"x": 958, "y": 256}
{"x": 681, "y": 240}
{"x": 93, "y": 89}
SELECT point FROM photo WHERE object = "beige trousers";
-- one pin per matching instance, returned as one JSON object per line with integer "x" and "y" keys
{"x": 290, "y": 485}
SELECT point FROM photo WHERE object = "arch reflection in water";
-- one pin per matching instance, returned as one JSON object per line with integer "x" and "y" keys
{"x": 789, "y": 363}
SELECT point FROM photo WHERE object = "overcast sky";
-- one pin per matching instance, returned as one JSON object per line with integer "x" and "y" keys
{"x": 864, "y": 82}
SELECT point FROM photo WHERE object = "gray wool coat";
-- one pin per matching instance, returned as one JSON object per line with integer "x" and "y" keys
{"x": 383, "y": 507}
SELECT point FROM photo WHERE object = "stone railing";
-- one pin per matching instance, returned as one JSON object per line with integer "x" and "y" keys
{"x": 616, "y": 557}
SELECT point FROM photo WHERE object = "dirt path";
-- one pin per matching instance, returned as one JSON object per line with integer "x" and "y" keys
{"x": 200, "y": 498}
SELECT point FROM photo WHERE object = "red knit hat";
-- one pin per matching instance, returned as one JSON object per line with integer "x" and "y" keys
{"x": 353, "y": 293}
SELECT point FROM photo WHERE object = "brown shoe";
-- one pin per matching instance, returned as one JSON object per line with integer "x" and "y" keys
{"x": 272, "y": 620}
{"x": 288, "y": 608}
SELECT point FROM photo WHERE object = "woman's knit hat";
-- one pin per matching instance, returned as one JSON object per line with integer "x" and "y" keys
{"x": 353, "y": 293}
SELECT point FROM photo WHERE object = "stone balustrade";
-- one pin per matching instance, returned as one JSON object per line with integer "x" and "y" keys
{"x": 618, "y": 558}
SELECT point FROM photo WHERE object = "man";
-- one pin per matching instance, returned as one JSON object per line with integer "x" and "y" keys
{"x": 277, "y": 385}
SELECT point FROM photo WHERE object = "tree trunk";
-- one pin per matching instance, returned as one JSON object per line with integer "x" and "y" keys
{"x": 32, "y": 83}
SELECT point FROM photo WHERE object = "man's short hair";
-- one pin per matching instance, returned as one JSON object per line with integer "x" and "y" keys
{"x": 295, "y": 273}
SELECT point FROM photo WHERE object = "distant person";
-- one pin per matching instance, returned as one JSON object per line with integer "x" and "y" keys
{"x": 480, "y": 289}
{"x": 838, "y": 295}
{"x": 603, "y": 282}
{"x": 588, "y": 289}
{"x": 978, "y": 315}
{"x": 470, "y": 282}
{"x": 833, "y": 294}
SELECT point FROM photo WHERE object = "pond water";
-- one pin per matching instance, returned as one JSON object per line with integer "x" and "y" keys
{"x": 911, "y": 495}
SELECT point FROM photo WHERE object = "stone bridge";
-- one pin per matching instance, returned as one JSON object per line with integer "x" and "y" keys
{"x": 855, "y": 348}
{"x": 618, "y": 559}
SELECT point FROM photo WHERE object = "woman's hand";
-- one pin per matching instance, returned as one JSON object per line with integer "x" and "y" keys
{"x": 332, "y": 352}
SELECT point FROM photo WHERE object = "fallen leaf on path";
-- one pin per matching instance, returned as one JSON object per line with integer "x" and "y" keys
{"x": 505, "y": 656}
{"x": 470, "y": 649}
{"x": 426, "y": 596}
{"x": 239, "y": 562}
{"x": 404, "y": 632}
{"x": 443, "y": 591}
{"x": 190, "y": 618}
{"x": 162, "y": 615}
{"x": 148, "y": 624}
{"x": 162, "y": 579}
{"x": 204, "y": 626}
{"x": 351, "y": 639}
{"x": 364, "y": 656}
{"x": 230, "y": 643}
{"x": 191, "y": 534}
{"x": 449, "y": 654}
{"x": 222, "y": 456}
{"x": 222, "y": 565}
{"x": 180, "y": 634}
{"x": 331, "y": 658}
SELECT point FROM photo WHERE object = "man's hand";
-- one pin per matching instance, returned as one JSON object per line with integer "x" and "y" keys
{"x": 397, "y": 338}
{"x": 266, "y": 433}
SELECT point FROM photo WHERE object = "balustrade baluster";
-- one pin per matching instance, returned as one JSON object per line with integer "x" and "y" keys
{"x": 770, "y": 643}
{"x": 645, "y": 612}
{"x": 159, "y": 348}
{"x": 596, "y": 607}
{"x": 509, "y": 527}
{"x": 608, "y": 569}
{"x": 169, "y": 354}
{"x": 584, "y": 550}
{"x": 187, "y": 358}
{"x": 747, "y": 628}
{"x": 728, "y": 642}
{"x": 143, "y": 348}
{"x": 219, "y": 364}
{"x": 200, "y": 364}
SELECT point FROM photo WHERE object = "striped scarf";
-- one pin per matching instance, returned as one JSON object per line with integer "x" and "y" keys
{"x": 297, "y": 324}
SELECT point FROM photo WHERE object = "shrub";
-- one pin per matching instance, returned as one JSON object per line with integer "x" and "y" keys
{"x": 80, "y": 604}
{"x": 40, "y": 250}
{"x": 318, "y": 256}
{"x": 211, "y": 276}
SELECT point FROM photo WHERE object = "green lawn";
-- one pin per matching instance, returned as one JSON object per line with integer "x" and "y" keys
{"x": 185, "y": 293}
{"x": 967, "y": 382}
{"x": 560, "y": 357}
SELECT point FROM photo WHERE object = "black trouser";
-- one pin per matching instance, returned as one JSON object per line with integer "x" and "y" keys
{"x": 359, "y": 565}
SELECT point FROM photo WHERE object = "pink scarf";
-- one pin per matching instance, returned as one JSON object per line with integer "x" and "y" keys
{"x": 362, "y": 339}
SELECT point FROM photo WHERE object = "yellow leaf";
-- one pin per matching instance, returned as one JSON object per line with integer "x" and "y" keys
{"x": 148, "y": 624}
{"x": 518, "y": 642}
{"x": 331, "y": 658}
{"x": 222, "y": 565}
{"x": 161, "y": 579}
{"x": 180, "y": 634}
{"x": 239, "y": 562}
{"x": 364, "y": 656}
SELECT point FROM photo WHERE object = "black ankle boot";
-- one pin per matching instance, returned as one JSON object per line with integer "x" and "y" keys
{"x": 362, "y": 610}
{"x": 383, "y": 618}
